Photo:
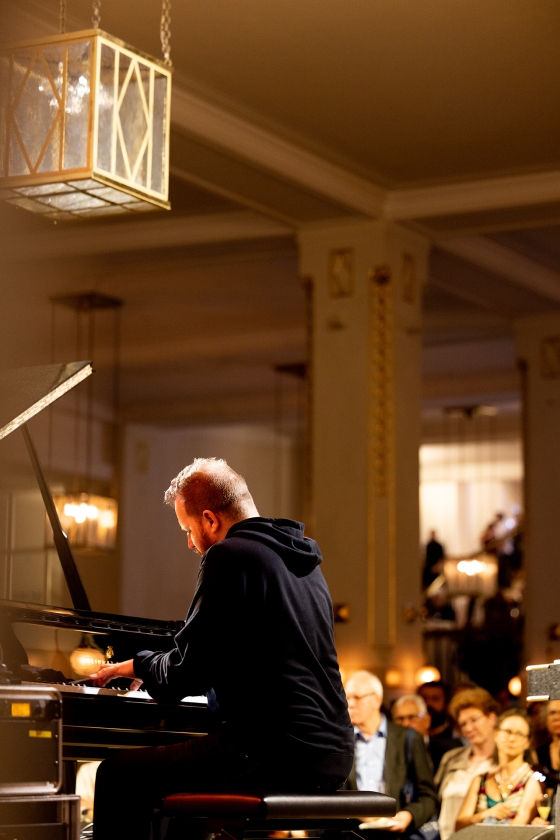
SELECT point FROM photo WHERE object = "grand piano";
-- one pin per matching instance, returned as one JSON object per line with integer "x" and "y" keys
{"x": 95, "y": 720}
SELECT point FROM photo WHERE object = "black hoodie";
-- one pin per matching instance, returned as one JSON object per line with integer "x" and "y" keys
{"x": 258, "y": 640}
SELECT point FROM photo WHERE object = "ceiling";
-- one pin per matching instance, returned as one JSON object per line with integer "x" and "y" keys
{"x": 440, "y": 116}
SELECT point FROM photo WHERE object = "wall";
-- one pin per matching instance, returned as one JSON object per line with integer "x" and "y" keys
{"x": 158, "y": 571}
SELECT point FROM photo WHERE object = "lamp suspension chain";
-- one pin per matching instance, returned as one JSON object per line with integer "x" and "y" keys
{"x": 165, "y": 31}
{"x": 96, "y": 16}
{"x": 62, "y": 17}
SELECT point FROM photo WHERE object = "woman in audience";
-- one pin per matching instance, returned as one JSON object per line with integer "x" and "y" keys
{"x": 549, "y": 754}
{"x": 509, "y": 793}
{"x": 474, "y": 711}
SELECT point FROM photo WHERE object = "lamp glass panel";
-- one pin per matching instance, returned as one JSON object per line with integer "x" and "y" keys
{"x": 78, "y": 92}
{"x": 36, "y": 105}
{"x": 45, "y": 189}
{"x": 110, "y": 194}
{"x": 159, "y": 129}
{"x": 106, "y": 107}
{"x": 73, "y": 201}
{"x": 29, "y": 204}
{"x": 108, "y": 210}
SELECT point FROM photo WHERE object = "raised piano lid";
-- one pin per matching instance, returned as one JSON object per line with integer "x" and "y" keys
{"x": 24, "y": 392}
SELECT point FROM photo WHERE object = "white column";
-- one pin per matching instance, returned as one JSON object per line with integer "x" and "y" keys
{"x": 538, "y": 347}
{"x": 366, "y": 280}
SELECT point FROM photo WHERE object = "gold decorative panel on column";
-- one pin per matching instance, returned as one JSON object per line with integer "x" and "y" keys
{"x": 85, "y": 127}
{"x": 381, "y": 553}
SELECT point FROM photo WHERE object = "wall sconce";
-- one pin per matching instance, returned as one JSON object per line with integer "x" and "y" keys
{"x": 393, "y": 678}
{"x": 84, "y": 128}
{"x": 515, "y": 686}
{"x": 428, "y": 673}
{"x": 341, "y": 613}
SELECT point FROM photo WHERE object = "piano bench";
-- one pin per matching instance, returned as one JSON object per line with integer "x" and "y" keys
{"x": 232, "y": 814}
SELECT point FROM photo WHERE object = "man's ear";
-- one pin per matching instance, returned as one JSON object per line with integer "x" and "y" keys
{"x": 211, "y": 519}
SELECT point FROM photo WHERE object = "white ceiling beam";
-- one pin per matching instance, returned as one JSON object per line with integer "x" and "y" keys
{"x": 161, "y": 232}
{"x": 505, "y": 263}
{"x": 473, "y": 196}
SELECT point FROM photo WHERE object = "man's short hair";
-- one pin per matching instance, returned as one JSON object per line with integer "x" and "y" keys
{"x": 210, "y": 484}
{"x": 436, "y": 684}
{"x": 374, "y": 682}
{"x": 410, "y": 698}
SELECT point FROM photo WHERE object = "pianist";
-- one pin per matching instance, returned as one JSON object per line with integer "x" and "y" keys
{"x": 258, "y": 641}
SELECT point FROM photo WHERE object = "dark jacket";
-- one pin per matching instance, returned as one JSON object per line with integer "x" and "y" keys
{"x": 258, "y": 640}
{"x": 396, "y": 773}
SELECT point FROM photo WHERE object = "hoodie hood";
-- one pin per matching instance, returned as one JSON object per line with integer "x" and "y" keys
{"x": 285, "y": 537}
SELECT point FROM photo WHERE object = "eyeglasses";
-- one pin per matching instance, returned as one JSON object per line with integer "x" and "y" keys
{"x": 355, "y": 698}
{"x": 402, "y": 718}
{"x": 510, "y": 733}
{"x": 470, "y": 721}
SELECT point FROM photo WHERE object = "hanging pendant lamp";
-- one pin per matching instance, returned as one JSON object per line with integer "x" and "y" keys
{"x": 84, "y": 127}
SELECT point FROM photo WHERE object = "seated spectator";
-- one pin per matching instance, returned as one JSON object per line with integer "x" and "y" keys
{"x": 387, "y": 757}
{"x": 509, "y": 793}
{"x": 412, "y": 711}
{"x": 475, "y": 713}
{"x": 436, "y": 696}
{"x": 548, "y": 754}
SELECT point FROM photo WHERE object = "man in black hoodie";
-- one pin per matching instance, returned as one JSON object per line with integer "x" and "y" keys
{"x": 258, "y": 641}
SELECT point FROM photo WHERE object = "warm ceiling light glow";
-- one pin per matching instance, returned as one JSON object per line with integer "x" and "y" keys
{"x": 515, "y": 686}
{"x": 471, "y": 567}
{"x": 428, "y": 673}
{"x": 86, "y": 132}
{"x": 393, "y": 678}
{"x": 89, "y": 521}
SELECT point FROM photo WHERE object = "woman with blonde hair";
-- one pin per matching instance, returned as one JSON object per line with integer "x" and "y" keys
{"x": 509, "y": 793}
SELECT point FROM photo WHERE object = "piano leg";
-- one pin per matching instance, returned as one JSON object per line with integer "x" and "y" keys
{"x": 69, "y": 770}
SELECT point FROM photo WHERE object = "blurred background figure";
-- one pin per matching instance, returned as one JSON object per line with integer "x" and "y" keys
{"x": 548, "y": 754}
{"x": 436, "y": 696}
{"x": 411, "y": 710}
{"x": 475, "y": 713}
{"x": 433, "y": 563}
{"x": 508, "y": 793}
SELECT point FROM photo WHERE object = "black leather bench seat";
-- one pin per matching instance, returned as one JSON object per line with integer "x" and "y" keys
{"x": 341, "y": 805}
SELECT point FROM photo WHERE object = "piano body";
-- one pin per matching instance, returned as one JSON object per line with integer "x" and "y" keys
{"x": 95, "y": 720}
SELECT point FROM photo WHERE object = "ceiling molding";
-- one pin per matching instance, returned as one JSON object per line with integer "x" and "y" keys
{"x": 163, "y": 232}
{"x": 470, "y": 196}
{"x": 506, "y": 263}
{"x": 265, "y": 149}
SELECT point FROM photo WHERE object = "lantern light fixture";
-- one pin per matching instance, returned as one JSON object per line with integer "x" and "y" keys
{"x": 84, "y": 128}
{"x": 426, "y": 674}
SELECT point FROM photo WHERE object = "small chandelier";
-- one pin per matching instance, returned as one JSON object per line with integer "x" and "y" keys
{"x": 84, "y": 129}
{"x": 88, "y": 520}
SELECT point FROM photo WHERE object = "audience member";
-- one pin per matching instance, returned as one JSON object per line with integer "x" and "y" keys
{"x": 548, "y": 754}
{"x": 411, "y": 710}
{"x": 509, "y": 793}
{"x": 475, "y": 712}
{"x": 436, "y": 696}
{"x": 387, "y": 757}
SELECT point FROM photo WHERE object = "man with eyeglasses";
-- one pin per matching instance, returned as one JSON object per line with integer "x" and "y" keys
{"x": 411, "y": 710}
{"x": 387, "y": 758}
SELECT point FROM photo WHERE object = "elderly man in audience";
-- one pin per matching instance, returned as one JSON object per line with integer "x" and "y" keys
{"x": 387, "y": 756}
{"x": 411, "y": 710}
